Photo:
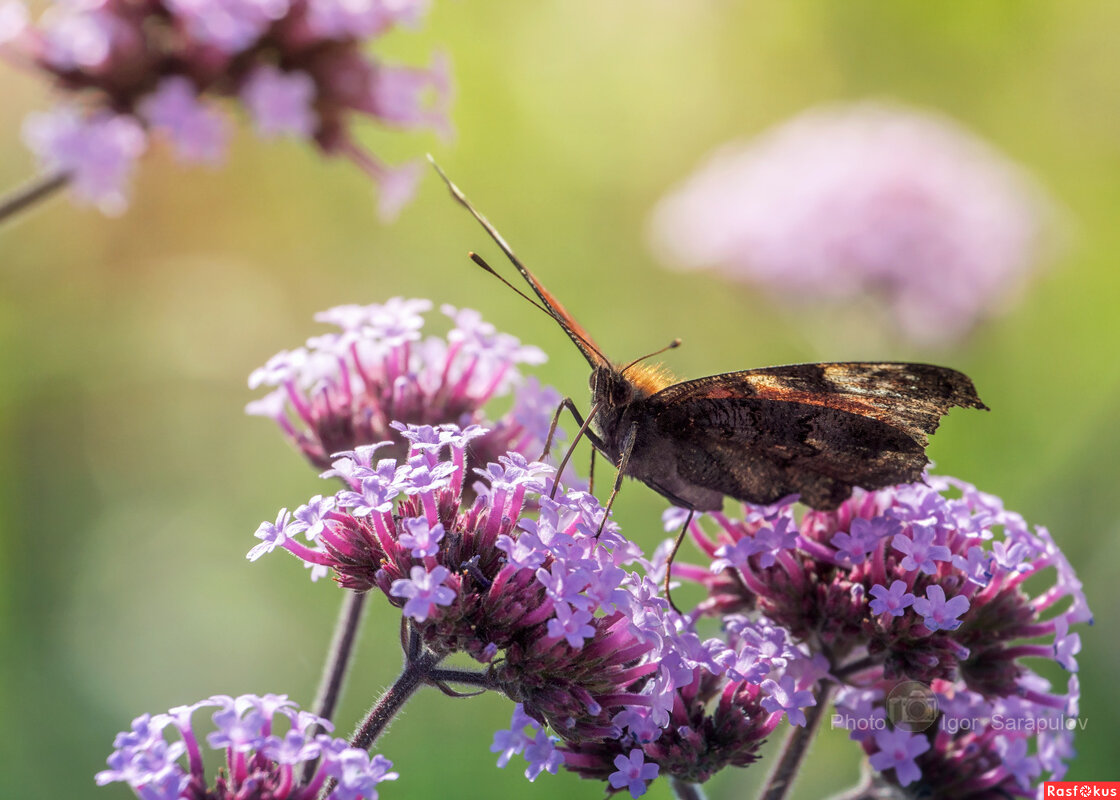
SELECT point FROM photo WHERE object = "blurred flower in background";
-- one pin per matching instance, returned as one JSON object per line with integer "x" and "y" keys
{"x": 864, "y": 199}
{"x": 129, "y": 72}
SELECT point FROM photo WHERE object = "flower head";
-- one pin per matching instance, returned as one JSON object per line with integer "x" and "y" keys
{"x": 298, "y": 67}
{"x": 539, "y": 589}
{"x": 342, "y": 390}
{"x": 923, "y": 582}
{"x": 267, "y": 743}
{"x": 849, "y": 201}
{"x": 973, "y": 747}
{"x": 567, "y": 630}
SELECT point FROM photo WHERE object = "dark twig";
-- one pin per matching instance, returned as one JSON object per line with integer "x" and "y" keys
{"x": 27, "y": 196}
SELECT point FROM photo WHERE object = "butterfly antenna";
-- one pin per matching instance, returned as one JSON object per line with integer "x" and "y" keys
{"x": 673, "y": 345}
{"x": 462, "y": 200}
{"x": 581, "y": 340}
{"x": 480, "y": 261}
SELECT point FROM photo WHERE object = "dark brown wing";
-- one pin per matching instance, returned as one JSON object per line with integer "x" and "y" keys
{"x": 812, "y": 429}
{"x": 909, "y": 397}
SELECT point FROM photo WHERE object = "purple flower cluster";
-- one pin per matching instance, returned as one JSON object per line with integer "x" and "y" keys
{"x": 130, "y": 71}
{"x": 261, "y": 759}
{"x": 343, "y": 389}
{"x": 918, "y": 582}
{"x": 849, "y": 201}
{"x": 723, "y": 698}
{"x": 976, "y": 747}
{"x": 537, "y": 588}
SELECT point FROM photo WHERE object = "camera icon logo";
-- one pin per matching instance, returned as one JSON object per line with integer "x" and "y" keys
{"x": 912, "y": 706}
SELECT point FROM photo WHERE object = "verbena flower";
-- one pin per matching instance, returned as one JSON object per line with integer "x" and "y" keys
{"x": 714, "y": 703}
{"x": 262, "y": 758}
{"x": 935, "y": 583}
{"x": 974, "y": 747}
{"x": 843, "y": 202}
{"x": 132, "y": 71}
{"x": 539, "y": 590}
{"x": 725, "y": 698}
{"x": 343, "y": 390}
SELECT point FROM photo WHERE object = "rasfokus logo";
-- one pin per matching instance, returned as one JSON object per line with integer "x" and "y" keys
{"x": 1081, "y": 789}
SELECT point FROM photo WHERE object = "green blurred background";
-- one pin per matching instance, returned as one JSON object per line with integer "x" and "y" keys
{"x": 131, "y": 482}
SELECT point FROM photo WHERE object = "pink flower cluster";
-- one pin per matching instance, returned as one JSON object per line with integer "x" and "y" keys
{"x": 935, "y": 586}
{"x": 266, "y": 741}
{"x": 847, "y": 202}
{"x": 130, "y": 71}
{"x": 344, "y": 389}
{"x": 539, "y": 590}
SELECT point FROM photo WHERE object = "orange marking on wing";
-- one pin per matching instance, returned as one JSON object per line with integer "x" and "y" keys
{"x": 720, "y": 393}
{"x": 776, "y": 388}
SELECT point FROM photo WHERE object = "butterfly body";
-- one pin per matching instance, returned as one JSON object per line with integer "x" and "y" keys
{"x": 815, "y": 430}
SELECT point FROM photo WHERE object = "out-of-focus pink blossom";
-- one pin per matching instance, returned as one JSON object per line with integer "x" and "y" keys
{"x": 299, "y": 68}
{"x": 98, "y": 152}
{"x": 280, "y": 103}
{"x": 866, "y": 199}
{"x": 199, "y": 132}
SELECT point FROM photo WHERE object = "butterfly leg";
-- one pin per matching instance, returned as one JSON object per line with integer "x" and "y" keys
{"x": 672, "y": 555}
{"x": 623, "y": 461}
{"x": 584, "y": 430}
{"x": 571, "y": 406}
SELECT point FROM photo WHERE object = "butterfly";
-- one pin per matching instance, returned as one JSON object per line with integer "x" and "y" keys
{"x": 758, "y": 435}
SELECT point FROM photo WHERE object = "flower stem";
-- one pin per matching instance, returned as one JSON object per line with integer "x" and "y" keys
{"x": 795, "y": 748}
{"x": 338, "y": 657}
{"x": 414, "y": 675}
{"x": 856, "y": 666}
{"x": 871, "y": 787}
{"x": 469, "y": 677}
{"x": 337, "y": 662}
{"x": 26, "y": 196}
{"x": 418, "y": 667}
{"x": 684, "y": 790}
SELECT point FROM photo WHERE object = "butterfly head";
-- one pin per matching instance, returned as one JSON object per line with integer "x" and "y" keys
{"x": 617, "y": 387}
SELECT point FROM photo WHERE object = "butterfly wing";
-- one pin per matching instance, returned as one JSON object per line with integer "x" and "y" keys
{"x": 812, "y": 429}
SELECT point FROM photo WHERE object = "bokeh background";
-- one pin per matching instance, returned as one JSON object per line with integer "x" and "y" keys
{"x": 131, "y": 482}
